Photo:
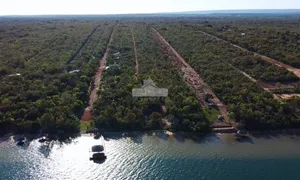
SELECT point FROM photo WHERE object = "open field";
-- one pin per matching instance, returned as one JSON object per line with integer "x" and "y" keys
{"x": 51, "y": 70}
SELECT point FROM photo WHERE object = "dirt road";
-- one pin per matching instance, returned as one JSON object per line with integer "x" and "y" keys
{"x": 288, "y": 96}
{"x": 87, "y": 115}
{"x": 135, "y": 53}
{"x": 265, "y": 58}
{"x": 190, "y": 76}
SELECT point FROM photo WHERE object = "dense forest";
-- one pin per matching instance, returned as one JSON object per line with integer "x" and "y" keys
{"x": 38, "y": 88}
{"x": 47, "y": 68}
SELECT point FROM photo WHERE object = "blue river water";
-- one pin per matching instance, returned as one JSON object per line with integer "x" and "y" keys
{"x": 154, "y": 157}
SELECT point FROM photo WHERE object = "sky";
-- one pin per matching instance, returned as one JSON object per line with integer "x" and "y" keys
{"x": 46, "y": 7}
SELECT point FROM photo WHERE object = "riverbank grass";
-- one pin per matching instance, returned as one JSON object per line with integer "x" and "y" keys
{"x": 211, "y": 114}
{"x": 85, "y": 125}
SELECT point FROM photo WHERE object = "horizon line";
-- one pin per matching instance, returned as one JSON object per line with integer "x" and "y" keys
{"x": 153, "y": 13}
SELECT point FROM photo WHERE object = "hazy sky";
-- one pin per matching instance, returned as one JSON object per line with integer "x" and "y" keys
{"x": 33, "y": 7}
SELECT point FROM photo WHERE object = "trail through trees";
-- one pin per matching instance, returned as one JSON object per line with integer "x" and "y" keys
{"x": 87, "y": 115}
{"x": 135, "y": 53}
{"x": 79, "y": 50}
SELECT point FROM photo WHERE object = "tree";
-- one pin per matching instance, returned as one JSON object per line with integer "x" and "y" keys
{"x": 78, "y": 106}
{"x": 155, "y": 118}
{"x": 47, "y": 122}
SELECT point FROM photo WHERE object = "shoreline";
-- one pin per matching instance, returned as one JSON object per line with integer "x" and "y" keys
{"x": 277, "y": 131}
{"x": 123, "y": 134}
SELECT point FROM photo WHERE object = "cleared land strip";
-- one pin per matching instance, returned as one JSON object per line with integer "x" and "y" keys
{"x": 260, "y": 84}
{"x": 82, "y": 45}
{"x": 135, "y": 53}
{"x": 99, "y": 40}
{"x": 265, "y": 58}
{"x": 191, "y": 77}
{"x": 87, "y": 115}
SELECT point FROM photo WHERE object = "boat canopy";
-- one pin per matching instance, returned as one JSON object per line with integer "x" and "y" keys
{"x": 243, "y": 132}
{"x": 97, "y": 148}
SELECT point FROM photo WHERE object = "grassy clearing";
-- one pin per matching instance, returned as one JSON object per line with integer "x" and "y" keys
{"x": 85, "y": 125}
{"x": 211, "y": 114}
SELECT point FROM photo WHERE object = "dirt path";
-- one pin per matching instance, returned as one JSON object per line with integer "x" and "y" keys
{"x": 274, "y": 86}
{"x": 288, "y": 96}
{"x": 79, "y": 50}
{"x": 87, "y": 115}
{"x": 260, "y": 84}
{"x": 135, "y": 54}
{"x": 265, "y": 58}
{"x": 269, "y": 87}
{"x": 190, "y": 76}
{"x": 244, "y": 73}
{"x": 76, "y": 53}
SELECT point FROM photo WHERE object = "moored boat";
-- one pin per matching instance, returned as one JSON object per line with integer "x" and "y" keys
{"x": 43, "y": 139}
{"x": 98, "y": 156}
{"x": 98, "y": 153}
{"x": 97, "y": 135}
{"x": 97, "y": 148}
{"x": 21, "y": 141}
{"x": 241, "y": 134}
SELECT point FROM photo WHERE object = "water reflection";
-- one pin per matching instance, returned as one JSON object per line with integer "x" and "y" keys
{"x": 46, "y": 148}
{"x": 148, "y": 156}
{"x": 246, "y": 140}
{"x": 179, "y": 138}
{"x": 162, "y": 136}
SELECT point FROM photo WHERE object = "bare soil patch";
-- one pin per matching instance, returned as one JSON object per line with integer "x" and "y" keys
{"x": 274, "y": 85}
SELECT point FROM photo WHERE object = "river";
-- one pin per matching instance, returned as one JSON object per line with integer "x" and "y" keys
{"x": 155, "y": 157}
